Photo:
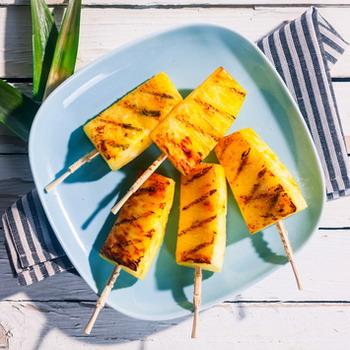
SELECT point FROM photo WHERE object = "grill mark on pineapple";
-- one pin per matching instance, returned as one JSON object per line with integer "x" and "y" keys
{"x": 261, "y": 173}
{"x": 196, "y": 176}
{"x": 172, "y": 148}
{"x": 276, "y": 195}
{"x": 182, "y": 119}
{"x": 257, "y": 185}
{"x": 237, "y": 91}
{"x": 200, "y": 199}
{"x": 186, "y": 255}
{"x": 199, "y": 259}
{"x": 117, "y": 252}
{"x": 222, "y": 147}
{"x": 196, "y": 224}
{"x": 185, "y": 146}
{"x": 143, "y": 111}
{"x": 150, "y": 113}
{"x": 132, "y": 219}
{"x": 150, "y": 233}
{"x": 150, "y": 189}
{"x": 158, "y": 94}
{"x": 271, "y": 197}
{"x": 244, "y": 161}
{"x": 211, "y": 109}
{"x": 116, "y": 144}
{"x": 254, "y": 189}
{"x": 158, "y": 186}
{"x": 127, "y": 126}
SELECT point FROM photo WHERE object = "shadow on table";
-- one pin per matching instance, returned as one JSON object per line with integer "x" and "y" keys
{"x": 69, "y": 314}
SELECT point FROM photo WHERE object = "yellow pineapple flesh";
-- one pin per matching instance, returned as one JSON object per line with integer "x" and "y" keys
{"x": 263, "y": 187}
{"x": 138, "y": 232}
{"x": 122, "y": 131}
{"x": 193, "y": 128}
{"x": 201, "y": 237}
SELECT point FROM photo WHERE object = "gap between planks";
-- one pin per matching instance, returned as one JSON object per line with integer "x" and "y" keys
{"x": 186, "y": 3}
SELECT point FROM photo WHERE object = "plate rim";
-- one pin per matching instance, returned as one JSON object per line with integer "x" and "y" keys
{"x": 172, "y": 29}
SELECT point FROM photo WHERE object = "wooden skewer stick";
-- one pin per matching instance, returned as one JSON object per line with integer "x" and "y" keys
{"x": 72, "y": 169}
{"x": 289, "y": 252}
{"x": 101, "y": 301}
{"x": 139, "y": 182}
{"x": 197, "y": 292}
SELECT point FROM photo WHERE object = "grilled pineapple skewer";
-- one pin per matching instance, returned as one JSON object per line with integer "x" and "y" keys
{"x": 137, "y": 234}
{"x": 263, "y": 187}
{"x": 201, "y": 237}
{"x": 122, "y": 131}
{"x": 193, "y": 128}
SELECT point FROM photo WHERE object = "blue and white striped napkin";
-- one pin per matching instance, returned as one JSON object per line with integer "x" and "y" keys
{"x": 303, "y": 52}
{"x": 32, "y": 246}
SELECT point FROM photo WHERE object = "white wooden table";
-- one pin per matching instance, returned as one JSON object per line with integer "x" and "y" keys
{"x": 270, "y": 315}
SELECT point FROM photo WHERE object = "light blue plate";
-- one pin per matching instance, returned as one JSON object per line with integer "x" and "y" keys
{"x": 79, "y": 209}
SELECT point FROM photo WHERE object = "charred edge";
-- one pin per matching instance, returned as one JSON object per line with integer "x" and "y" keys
{"x": 196, "y": 224}
{"x": 125, "y": 259}
{"x": 198, "y": 259}
{"x": 189, "y": 125}
{"x": 122, "y": 125}
{"x": 142, "y": 190}
{"x": 134, "y": 218}
{"x": 199, "y": 200}
{"x": 198, "y": 175}
{"x": 292, "y": 206}
{"x": 244, "y": 160}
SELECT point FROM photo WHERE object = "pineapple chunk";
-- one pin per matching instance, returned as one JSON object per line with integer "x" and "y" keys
{"x": 138, "y": 232}
{"x": 264, "y": 189}
{"x": 201, "y": 238}
{"x": 121, "y": 132}
{"x": 194, "y": 126}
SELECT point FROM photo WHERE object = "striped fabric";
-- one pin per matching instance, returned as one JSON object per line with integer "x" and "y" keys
{"x": 303, "y": 52}
{"x": 32, "y": 246}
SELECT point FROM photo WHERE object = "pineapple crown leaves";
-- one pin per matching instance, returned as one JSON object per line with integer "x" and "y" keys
{"x": 54, "y": 58}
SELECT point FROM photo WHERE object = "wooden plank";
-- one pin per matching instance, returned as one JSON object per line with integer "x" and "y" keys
{"x": 323, "y": 265}
{"x": 180, "y": 3}
{"x": 103, "y": 29}
{"x": 249, "y": 326}
{"x": 15, "y": 179}
{"x": 342, "y": 96}
{"x": 9, "y": 143}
